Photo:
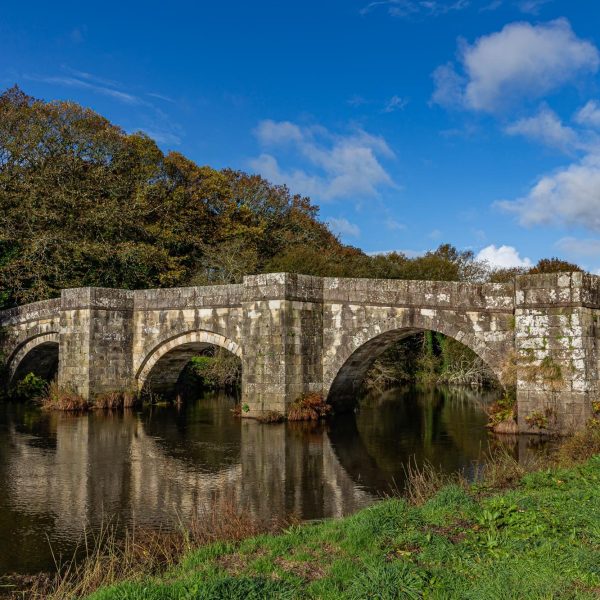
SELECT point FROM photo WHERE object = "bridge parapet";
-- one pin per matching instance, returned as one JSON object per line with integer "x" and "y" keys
{"x": 34, "y": 311}
{"x": 211, "y": 296}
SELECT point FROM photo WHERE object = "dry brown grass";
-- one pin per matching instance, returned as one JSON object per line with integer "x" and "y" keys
{"x": 309, "y": 407}
{"x": 108, "y": 559}
{"x": 581, "y": 446}
{"x": 270, "y": 416}
{"x": 116, "y": 399}
{"x": 425, "y": 481}
{"x": 59, "y": 398}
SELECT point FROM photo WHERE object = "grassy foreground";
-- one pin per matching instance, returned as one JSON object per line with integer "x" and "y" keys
{"x": 540, "y": 539}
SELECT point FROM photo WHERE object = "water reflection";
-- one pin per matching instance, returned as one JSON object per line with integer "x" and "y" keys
{"x": 61, "y": 474}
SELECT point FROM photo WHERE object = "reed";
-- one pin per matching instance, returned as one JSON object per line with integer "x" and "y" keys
{"x": 105, "y": 558}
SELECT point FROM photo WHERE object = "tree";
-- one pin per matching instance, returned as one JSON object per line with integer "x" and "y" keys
{"x": 553, "y": 265}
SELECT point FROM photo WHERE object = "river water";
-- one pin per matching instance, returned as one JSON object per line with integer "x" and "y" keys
{"x": 64, "y": 474}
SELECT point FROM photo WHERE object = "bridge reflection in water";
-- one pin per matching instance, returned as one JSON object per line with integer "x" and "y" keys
{"x": 61, "y": 474}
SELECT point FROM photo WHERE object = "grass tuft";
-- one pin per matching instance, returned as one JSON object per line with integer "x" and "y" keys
{"x": 309, "y": 407}
{"x": 270, "y": 416}
{"x": 63, "y": 398}
{"x": 116, "y": 399}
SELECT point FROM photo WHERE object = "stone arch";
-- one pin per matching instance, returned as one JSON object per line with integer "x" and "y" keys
{"x": 345, "y": 372}
{"x": 38, "y": 354}
{"x": 163, "y": 364}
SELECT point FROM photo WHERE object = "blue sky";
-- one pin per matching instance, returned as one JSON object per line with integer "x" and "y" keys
{"x": 410, "y": 122}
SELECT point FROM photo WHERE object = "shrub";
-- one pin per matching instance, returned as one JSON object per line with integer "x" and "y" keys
{"x": 502, "y": 414}
{"x": 309, "y": 407}
{"x": 221, "y": 370}
{"x": 31, "y": 387}
{"x": 537, "y": 419}
{"x": 66, "y": 399}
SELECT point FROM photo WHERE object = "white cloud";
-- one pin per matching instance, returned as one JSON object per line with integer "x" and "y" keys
{"x": 342, "y": 226}
{"x": 520, "y": 61}
{"x": 503, "y": 257}
{"x": 395, "y": 103}
{"x": 547, "y": 128}
{"x": 578, "y": 247}
{"x": 570, "y": 196}
{"x": 331, "y": 165}
{"x": 589, "y": 114}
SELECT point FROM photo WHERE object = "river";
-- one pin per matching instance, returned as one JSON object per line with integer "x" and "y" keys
{"x": 64, "y": 474}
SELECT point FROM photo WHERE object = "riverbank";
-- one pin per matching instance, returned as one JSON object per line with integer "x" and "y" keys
{"x": 511, "y": 535}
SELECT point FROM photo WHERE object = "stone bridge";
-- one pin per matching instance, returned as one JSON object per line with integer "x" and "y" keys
{"x": 296, "y": 334}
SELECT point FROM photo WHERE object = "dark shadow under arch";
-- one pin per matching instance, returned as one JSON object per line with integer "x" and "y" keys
{"x": 348, "y": 382}
{"x": 163, "y": 367}
{"x": 41, "y": 359}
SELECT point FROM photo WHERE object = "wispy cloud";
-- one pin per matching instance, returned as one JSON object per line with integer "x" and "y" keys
{"x": 74, "y": 82}
{"x": 322, "y": 164}
{"x": 161, "y": 97}
{"x": 395, "y": 103}
{"x": 414, "y": 8}
{"x": 356, "y": 100}
{"x": 394, "y": 225}
{"x": 579, "y": 247}
{"x": 589, "y": 115}
{"x": 532, "y": 7}
{"x": 151, "y": 120}
{"x": 78, "y": 34}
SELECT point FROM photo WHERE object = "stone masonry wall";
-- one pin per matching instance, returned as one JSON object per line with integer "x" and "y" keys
{"x": 557, "y": 338}
{"x": 95, "y": 340}
{"x": 282, "y": 334}
{"x": 363, "y": 317}
{"x": 165, "y": 316}
{"x": 298, "y": 334}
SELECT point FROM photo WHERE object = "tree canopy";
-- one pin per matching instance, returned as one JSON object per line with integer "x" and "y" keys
{"x": 83, "y": 203}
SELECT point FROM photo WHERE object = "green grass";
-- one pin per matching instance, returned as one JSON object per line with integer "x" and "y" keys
{"x": 539, "y": 540}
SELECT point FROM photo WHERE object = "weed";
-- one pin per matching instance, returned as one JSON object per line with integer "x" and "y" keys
{"x": 309, "y": 407}
{"x": 63, "y": 398}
